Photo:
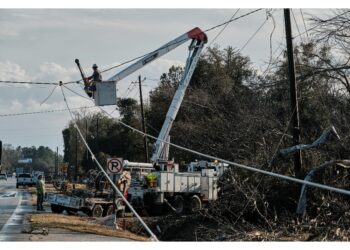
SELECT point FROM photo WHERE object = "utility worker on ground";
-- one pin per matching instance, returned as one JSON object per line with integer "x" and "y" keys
{"x": 124, "y": 183}
{"x": 40, "y": 192}
{"x": 91, "y": 81}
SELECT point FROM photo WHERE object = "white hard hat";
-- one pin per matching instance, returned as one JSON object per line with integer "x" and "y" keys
{"x": 94, "y": 66}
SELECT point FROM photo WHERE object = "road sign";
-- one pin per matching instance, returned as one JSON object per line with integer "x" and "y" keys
{"x": 114, "y": 165}
{"x": 26, "y": 160}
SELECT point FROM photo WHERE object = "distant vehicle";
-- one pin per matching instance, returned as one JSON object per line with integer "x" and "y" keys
{"x": 24, "y": 180}
{"x": 3, "y": 177}
{"x": 9, "y": 175}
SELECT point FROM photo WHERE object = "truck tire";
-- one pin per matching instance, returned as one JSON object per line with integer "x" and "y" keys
{"x": 121, "y": 213}
{"x": 178, "y": 204}
{"x": 56, "y": 209}
{"x": 195, "y": 204}
{"x": 71, "y": 211}
{"x": 97, "y": 211}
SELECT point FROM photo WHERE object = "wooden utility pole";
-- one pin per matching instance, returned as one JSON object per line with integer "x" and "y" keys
{"x": 96, "y": 140}
{"x": 293, "y": 94}
{"x": 76, "y": 156}
{"x": 143, "y": 122}
{"x": 56, "y": 165}
{"x": 86, "y": 139}
{"x": 0, "y": 153}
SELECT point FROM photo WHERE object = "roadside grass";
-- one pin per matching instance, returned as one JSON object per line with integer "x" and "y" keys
{"x": 79, "y": 224}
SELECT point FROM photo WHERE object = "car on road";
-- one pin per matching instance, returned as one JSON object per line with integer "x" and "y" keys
{"x": 24, "y": 180}
{"x": 3, "y": 177}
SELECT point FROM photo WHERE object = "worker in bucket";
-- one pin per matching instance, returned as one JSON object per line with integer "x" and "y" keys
{"x": 91, "y": 80}
{"x": 40, "y": 192}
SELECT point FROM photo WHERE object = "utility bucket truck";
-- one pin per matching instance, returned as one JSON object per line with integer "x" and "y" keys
{"x": 160, "y": 184}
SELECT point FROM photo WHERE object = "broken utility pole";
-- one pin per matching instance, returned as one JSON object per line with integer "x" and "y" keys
{"x": 143, "y": 122}
{"x": 293, "y": 94}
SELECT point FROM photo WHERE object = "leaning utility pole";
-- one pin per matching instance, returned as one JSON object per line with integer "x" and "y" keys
{"x": 293, "y": 94}
{"x": 143, "y": 122}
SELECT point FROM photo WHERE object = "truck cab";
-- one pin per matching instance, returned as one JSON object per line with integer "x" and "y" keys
{"x": 24, "y": 180}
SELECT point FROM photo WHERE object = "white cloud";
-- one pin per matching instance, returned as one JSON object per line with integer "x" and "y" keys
{"x": 12, "y": 72}
{"x": 15, "y": 106}
{"x": 6, "y": 32}
{"x": 53, "y": 72}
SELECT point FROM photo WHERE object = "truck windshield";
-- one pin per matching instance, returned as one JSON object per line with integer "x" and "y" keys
{"x": 24, "y": 176}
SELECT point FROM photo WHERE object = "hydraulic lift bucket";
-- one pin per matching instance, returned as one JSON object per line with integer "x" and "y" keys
{"x": 106, "y": 93}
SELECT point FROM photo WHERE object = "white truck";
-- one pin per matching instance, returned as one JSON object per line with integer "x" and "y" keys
{"x": 179, "y": 191}
{"x": 24, "y": 180}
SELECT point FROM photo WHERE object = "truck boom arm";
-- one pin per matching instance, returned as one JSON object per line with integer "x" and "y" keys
{"x": 199, "y": 38}
{"x": 195, "y": 34}
{"x": 195, "y": 50}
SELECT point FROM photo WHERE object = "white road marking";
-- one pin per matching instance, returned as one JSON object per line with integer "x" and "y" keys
{"x": 13, "y": 220}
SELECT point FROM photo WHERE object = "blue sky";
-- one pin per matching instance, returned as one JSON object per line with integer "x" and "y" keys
{"x": 41, "y": 45}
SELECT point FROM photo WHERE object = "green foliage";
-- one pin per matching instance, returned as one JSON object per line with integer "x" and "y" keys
{"x": 229, "y": 111}
{"x": 105, "y": 137}
{"x": 43, "y": 158}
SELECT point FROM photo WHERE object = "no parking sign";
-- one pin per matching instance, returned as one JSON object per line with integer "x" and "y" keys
{"x": 114, "y": 165}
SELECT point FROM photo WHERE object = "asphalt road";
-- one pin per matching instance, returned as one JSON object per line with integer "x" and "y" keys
{"x": 14, "y": 205}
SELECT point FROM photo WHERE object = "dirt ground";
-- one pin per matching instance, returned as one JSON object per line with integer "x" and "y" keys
{"x": 80, "y": 224}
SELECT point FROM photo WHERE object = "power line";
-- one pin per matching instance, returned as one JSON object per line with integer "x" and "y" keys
{"x": 222, "y": 30}
{"x": 302, "y": 16}
{"x": 49, "y": 95}
{"x": 43, "y": 112}
{"x": 254, "y": 34}
{"x": 271, "y": 34}
{"x": 45, "y": 83}
{"x": 76, "y": 92}
{"x": 296, "y": 24}
{"x": 231, "y": 20}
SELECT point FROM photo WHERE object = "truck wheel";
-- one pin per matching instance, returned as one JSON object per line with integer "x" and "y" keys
{"x": 195, "y": 204}
{"x": 109, "y": 210}
{"x": 97, "y": 211}
{"x": 56, "y": 209}
{"x": 71, "y": 211}
{"x": 121, "y": 213}
{"x": 178, "y": 204}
